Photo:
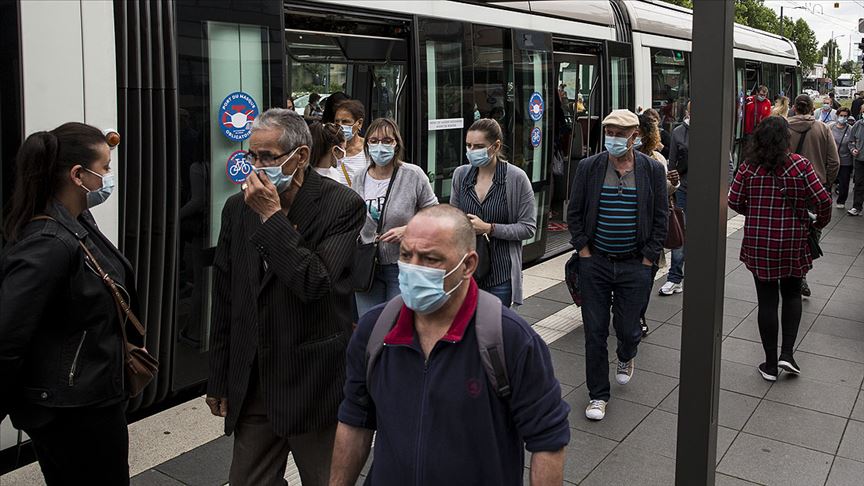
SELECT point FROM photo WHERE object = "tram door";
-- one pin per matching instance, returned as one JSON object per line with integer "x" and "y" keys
{"x": 577, "y": 124}
{"x": 746, "y": 80}
{"x": 364, "y": 58}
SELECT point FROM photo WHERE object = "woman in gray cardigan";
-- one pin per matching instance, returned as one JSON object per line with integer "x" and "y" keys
{"x": 411, "y": 192}
{"x": 499, "y": 201}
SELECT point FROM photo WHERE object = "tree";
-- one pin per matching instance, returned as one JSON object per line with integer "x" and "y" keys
{"x": 853, "y": 68}
{"x": 805, "y": 41}
{"x": 754, "y": 13}
{"x": 681, "y": 3}
{"x": 831, "y": 51}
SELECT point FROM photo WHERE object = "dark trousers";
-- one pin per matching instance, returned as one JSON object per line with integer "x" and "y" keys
{"x": 650, "y": 289}
{"x": 84, "y": 446}
{"x": 768, "y": 294}
{"x": 623, "y": 285}
{"x": 843, "y": 178}
{"x": 260, "y": 456}
{"x": 858, "y": 179}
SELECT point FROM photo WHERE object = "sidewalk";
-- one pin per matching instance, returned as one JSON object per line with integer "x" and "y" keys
{"x": 805, "y": 431}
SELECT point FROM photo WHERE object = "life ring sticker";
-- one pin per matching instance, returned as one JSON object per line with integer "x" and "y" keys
{"x": 238, "y": 168}
{"x": 536, "y": 137}
{"x": 536, "y": 106}
{"x": 236, "y": 113}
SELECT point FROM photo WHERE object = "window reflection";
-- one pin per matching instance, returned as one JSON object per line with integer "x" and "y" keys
{"x": 670, "y": 85}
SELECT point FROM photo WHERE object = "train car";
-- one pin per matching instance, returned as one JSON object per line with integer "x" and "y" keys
{"x": 168, "y": 74}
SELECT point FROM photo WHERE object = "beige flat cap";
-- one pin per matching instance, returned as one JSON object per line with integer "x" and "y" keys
{"x": 622, "y": 118}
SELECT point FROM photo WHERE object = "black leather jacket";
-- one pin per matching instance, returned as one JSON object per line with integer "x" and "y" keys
{"x": 60, "y": 341}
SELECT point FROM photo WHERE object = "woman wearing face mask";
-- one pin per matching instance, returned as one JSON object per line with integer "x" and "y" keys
{"x": 499, "y": 201}
{"x": 842, "y": 133}
{"x": 61, "y": 347}
{"x": 349, "y": 116}
{"x": 410, "y": 193}
{"x": 328, "y": 151}
{"x": 826, "y": 114}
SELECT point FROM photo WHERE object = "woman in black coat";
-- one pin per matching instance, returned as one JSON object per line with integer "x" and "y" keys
{"x": 61, "y": 347}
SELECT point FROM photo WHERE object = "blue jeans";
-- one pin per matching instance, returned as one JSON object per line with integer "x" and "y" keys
{"x": 503, "y": 291}
{"x": 601, "y": 279}
{"x": 385, "y": 286}
{"x": 676, "y": 267}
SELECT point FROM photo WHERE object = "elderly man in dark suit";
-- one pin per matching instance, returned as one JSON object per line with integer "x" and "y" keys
{"x": 282, "y": 307}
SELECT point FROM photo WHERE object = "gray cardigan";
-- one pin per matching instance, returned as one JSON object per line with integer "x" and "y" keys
{"x": 521, "y": 212}
{"x": 411, "y": 192}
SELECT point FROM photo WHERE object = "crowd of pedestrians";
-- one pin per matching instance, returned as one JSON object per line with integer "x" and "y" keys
{"x": 305, "y": 361}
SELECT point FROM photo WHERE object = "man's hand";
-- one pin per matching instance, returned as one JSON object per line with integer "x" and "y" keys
{"x": 585, "y": 252}
{"x": 393, "y": 236}
{"x": 673, "y": 177}
{"x": 218, "y": 406}
{"x": 261, "y": 195}
{"x": 647, "y": 262}
{"x": 480, "y": 226}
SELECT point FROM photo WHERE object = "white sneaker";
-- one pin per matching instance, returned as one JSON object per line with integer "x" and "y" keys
{"x": 854, "y": 212}
{"x": 840, "y": 206}
{"x": 670, "y": 288}
{"x": 625, "y": 372}
{"x": 596, "y": 410}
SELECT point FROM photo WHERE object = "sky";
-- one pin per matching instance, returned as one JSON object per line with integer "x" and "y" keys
{"x": 842, "y": 20}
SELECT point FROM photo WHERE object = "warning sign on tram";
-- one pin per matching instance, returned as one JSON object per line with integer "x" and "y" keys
{"x": 238, "y": 169}
{"x": 536, "y": 137}
{"x": 236, "y": 113}
{"x": 536, "y": 106}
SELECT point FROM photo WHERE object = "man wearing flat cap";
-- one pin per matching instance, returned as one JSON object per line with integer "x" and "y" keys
{"x": 617, "y": 219}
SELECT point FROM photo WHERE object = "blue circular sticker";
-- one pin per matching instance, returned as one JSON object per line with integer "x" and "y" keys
{"x": 237, "y": 167}
{"x": 236, "y": 114}
{"x": 536, "y": 106}
{"x": 536, "y": 137}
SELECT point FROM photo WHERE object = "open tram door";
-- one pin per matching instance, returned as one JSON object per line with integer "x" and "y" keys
{"x": 578, "y": 108}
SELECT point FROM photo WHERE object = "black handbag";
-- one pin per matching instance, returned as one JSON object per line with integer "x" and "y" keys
{"x": 484, "y": 257}
{"x": 366, "y": 254}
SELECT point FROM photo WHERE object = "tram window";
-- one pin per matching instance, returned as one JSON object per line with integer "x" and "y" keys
{"x": 771, "y": 80}
{"x": 670, "y": 85}
{"x": 532, "y": 76}
{"x": 494, "y": 90}
{"x": 622, "y": 82}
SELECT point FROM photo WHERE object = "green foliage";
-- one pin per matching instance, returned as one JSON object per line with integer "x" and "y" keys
{"x": 805, "y": 41}
{"x": 754, "y": 13}
{"x": 853, "y": 68}
{"x": 681, "y": 3}
{"x": 831, "y": 51}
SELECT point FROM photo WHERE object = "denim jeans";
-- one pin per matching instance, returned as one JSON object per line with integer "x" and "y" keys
{"x": 503, "y": 291}
{"x": 385, "y": 286}
{"x": 601, "y": 279}
{"x": 676, "y": 267}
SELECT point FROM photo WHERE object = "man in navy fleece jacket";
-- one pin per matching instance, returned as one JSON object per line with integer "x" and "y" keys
{"x": 438, "y": 421}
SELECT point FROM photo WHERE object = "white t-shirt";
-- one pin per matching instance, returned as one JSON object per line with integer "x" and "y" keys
{"x": 330, "y": 172}
{"x": 375, "y": 192}
{"x": 353, "y": 165}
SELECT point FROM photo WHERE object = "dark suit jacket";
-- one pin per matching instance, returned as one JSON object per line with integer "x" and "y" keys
{"x": 294, "y": 319}
{"x": 651, "y": 196}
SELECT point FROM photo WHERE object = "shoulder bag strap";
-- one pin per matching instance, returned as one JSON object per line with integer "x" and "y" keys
{"x": 345, "y": 173}
{"x": 801, "y": 141}
{"x": 386, "y": 197}
{"x": 786, "y": 198}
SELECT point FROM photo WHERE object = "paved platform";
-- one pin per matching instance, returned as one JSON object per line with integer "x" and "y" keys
{"x": 804, "y": 431}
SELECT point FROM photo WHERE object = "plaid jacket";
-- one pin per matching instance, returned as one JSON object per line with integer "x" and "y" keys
{"x": 775, "y": 234}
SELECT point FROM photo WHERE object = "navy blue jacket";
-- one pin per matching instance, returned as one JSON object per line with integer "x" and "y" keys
{"x": 438, "y": 422}
{"x": 652, "y": 200}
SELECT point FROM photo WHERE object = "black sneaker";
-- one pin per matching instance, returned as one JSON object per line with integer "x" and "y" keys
{"x": 805, "y": 289}
{"x": 644, "y": 326}
{"x": 787, "y": 363}
{"x": 769, "y": 374}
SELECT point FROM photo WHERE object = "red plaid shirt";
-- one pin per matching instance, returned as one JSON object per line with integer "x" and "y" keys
{"x": 775, "y": 235}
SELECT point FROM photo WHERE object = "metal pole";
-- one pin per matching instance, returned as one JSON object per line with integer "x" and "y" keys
{"x": 710, "y": 141}
{"x": 781, "y": 22}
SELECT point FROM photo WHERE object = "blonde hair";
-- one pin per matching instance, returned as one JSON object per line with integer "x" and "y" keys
{"x": 781, "y": 107}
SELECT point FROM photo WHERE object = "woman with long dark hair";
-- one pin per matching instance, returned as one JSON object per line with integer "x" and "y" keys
{"x": 61, "y": 344}
{"x": 773, "y": 189}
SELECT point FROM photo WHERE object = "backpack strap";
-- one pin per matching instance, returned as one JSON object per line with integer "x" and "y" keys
{"x": 386, "y": 321}
{"x": 801, "y": 140}
{"x": 490, "y": 341}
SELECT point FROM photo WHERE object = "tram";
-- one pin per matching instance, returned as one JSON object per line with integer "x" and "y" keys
{"x": 159, "y": 71}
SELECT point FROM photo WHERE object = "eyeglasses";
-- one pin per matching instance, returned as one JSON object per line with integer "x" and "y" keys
{"x": 265, "y": 158}
{"x": 385, "y": 141}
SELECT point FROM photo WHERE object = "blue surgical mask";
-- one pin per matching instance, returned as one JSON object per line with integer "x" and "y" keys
{"x": 637, "y": 143}
{"x": 478, "y": 157}
{"x": 760, "y": 98}
{"x": 617, "y": 146}
{"x": 97, "y": 197}
{"x": 841, "y": 120}
{"x": 348, "y": 132}
{"x": 826, "y": 106}
{"x": 277, "y": 178}
{"x": 422, "y": 288}
{"x": 382, "y": 154}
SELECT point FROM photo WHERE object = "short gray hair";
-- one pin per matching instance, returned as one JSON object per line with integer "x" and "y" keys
{"x": 295, "y": 132}
{"x": 463, "y": 231}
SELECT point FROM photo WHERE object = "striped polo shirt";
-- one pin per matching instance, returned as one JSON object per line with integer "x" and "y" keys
{"x": 616, "y": 218}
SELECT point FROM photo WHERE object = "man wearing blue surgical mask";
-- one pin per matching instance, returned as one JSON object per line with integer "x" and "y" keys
{"x": 617, "y": 220}
{"x": 427, "y": 394}
{"x": 282, "y": 307}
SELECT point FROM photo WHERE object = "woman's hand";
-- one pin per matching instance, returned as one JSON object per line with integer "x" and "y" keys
{"x": 480, "y": 226}
{"x": 393, "y": 236}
